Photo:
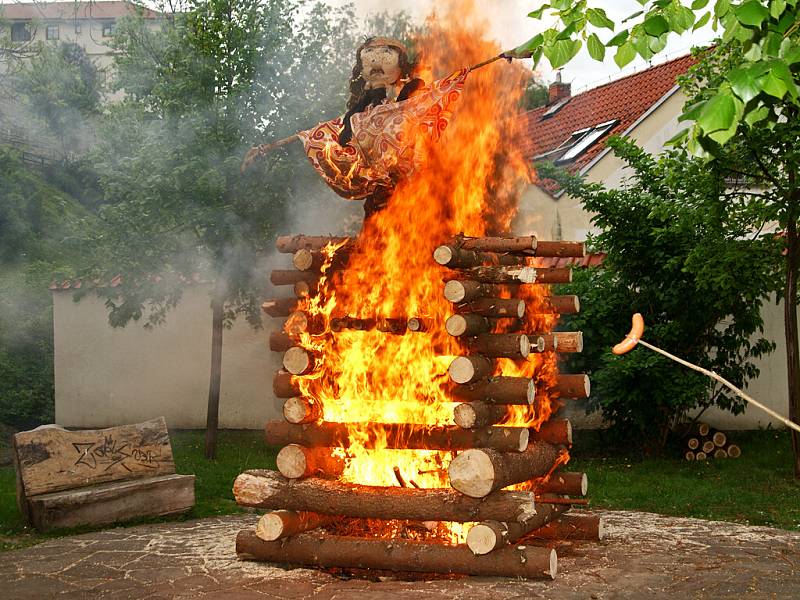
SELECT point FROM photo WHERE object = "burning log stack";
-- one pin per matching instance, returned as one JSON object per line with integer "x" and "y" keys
{"x": 504, "y": 453}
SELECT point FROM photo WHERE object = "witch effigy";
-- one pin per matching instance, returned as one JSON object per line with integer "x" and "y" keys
{"x": 365, "y": 153}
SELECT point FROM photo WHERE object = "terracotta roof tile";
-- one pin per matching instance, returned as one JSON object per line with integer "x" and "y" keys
{"x": 625, "y": 99}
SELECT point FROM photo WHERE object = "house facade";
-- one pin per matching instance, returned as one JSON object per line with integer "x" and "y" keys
{"x": 90, "y": 25}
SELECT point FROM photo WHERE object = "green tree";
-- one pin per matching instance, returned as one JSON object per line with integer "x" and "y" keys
{"x": 37, "y": 222}
{"x": 742, "y": 108}
{"x": 536, "y": 94}
{"x": 214, "y": 80}
{"x": 62, "y": 87}
{"x": 680, "y": 254}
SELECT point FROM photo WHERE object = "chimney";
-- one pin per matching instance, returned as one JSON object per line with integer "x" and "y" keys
{"x": 558, "y": 90}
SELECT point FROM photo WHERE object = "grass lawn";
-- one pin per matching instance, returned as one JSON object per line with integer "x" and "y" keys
{"x": 757, "y": 488}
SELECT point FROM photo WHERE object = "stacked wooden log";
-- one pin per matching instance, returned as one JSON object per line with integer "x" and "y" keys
{"x": 306, "y": 497}
{"x": 705, "y": 443}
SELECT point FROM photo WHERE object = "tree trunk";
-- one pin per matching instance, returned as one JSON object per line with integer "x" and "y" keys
{"x": 396, "y": 436}
{"x": 327, "y": 551}
{"x": 268, "y": 489}
{"x": 478, "y": 472}
{"x": 212, "y": 415}
{"x": 790, "y": 319}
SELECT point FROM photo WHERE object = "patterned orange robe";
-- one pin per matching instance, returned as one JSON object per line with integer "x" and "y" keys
{"x": 384, "y": 146}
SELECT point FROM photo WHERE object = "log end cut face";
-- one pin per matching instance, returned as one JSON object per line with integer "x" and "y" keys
{"x": 270, "y": 527}
{"x": 455, "y": 291}
{"x": 472, "y": 473}
{"x": 291, "y": 461}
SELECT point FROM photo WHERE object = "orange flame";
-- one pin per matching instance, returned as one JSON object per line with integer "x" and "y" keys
{"x": 470, "y": 184}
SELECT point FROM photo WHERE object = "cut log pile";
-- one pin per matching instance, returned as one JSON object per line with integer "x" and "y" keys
{"x": 484, "y": 279}
{"x": 705, "y": 443}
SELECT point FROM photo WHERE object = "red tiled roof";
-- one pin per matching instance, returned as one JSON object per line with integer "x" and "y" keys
{"x": 625, "y": 99}
{"x": 595, "y": 259}
{"x": 72, "y": 10}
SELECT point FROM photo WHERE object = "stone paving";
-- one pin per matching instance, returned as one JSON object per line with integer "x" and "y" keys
{"x": 644, "y": 555}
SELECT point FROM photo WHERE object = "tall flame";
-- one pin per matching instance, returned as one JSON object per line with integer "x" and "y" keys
{"x": 470, "y": 184}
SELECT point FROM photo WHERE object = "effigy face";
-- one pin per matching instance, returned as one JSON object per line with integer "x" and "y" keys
{"x": 380, "y": 66}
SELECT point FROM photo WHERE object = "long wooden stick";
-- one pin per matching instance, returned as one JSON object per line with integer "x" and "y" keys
{"x": 724, "y": 382}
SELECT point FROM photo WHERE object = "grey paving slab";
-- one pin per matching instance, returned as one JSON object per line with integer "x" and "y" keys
{"x": 644, "y": 555}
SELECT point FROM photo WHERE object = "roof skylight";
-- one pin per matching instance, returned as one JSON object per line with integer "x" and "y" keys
{"x": 583, "y": 139}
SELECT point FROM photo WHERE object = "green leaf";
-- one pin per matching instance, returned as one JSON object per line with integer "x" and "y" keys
{"x": 656, "y": 25}
{"x": 625, "y": 54}
{"x": 561, "y": 4}
{"x": 781, "y": 70}
{"x": 771, "y": 46}
{"x": 692, "y": 112}
{"x": 744, "y": 82}
{"x": 526, "y": 50}
{"x": 598, "y": 18}
{"x": 682, "y": 19}
{"x": 567, "y": 32}
{"x": 756, "y": 115}
{"x": 562, "y": 51}
{"x": 537, "y": 14}
{"x": 751, "y": 13}
{"x": 776, "y": 8}
{"x": 721, "y": 8}
{"x": 596, "y": 48}
{"x": 718, "y": 113}
{"x": 698, "y": 4}
{"x": 792, "y": 55}
{"x": 702, "y": 21}
{"x": 773, "y": 85}
{"x": 618, "y": 39}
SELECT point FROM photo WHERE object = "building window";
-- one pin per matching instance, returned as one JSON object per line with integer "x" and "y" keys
{"x": 583, "y": 139}
{"x": 108, "y": 28}
{"x": 21, "y": 32}
{"x": 51, "y": 32}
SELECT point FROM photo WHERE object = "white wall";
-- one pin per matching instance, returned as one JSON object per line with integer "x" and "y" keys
{"x": 106, "y": 376}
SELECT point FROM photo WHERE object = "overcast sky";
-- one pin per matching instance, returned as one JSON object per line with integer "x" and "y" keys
{"x": 509, "y": 25}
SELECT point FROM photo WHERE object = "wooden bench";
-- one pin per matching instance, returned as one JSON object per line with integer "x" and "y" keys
{"x": 92, "y": 477}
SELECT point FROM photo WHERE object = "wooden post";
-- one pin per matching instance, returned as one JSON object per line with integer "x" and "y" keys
{"x": 457, "y": 258}
{"x": 469, "y": 369}
{"x": 327, "y": 551}
{"x": 554, "y": 431}
{"x": 298, "y": 361}
{"x": 562, "y": 341}
{"x": 572, "y": 386}
{"x": 270, "y": 490}
{"x": 298, "y": 462}
{"x": 300, "y": 410}
{"x": 279, "y": 307}
{"x": 510, "y": 308}
{"x": 477, "y": 472}
{"x": 288, "y": 244}
{"x": 284, "y": 385}
{"x": 280, "y": 524}
{"x": 212, "y": 413}
{"x": 291, "y": 277}
{"x": 396, "y": 436}
{"x": 498, "y": 390}
{"x": 468, "y": 324}
{"x": 489, "y": 536}
{"x": 479, "y": 414}
{"x": 568, "y": 484}
{"x": 496, "y": 345}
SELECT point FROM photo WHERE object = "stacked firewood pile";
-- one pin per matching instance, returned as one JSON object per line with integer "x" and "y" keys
{"x": 318, "y": 519}
{"x": 705, "y": 443}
